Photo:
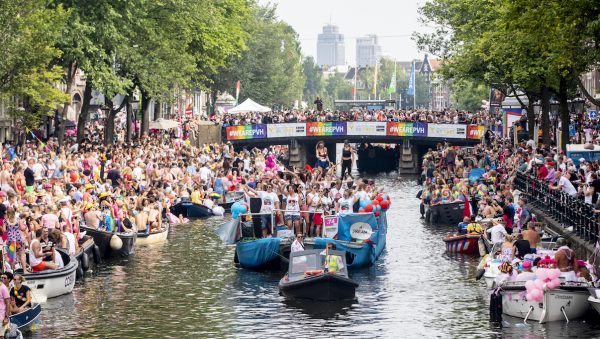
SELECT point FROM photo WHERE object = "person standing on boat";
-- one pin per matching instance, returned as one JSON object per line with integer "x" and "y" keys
{"x": 20, "y": 295}
{"x": 347, "y": 159}
{"x": 270, "y": 203}
{"x": 292, "y": 209}
{"x": 333, "y": 263}
{"x": 11, "y": 226}
{"x": 566, "y": 260}
{"x": 5, "y": 303}
{"x": 344, "y": 204}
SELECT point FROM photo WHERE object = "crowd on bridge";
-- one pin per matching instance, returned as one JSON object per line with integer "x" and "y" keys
{"x": 449, "y": 116}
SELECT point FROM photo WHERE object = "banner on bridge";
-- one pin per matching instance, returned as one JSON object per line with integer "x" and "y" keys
{"x": 447, "y": 131}
{"x": 407, "y": 129}
{"x": 366, "y": 128}
{"x": 355, "y": 128}
{"x": 324, "y": 129}
{"x": 286, "y": 130}
{"x": 245, "y": 132}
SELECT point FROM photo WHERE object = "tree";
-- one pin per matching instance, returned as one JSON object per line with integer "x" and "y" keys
{"x": 29, "y": 31}
{"x": 314, "y": 81}
{"x": 468, "y": 95}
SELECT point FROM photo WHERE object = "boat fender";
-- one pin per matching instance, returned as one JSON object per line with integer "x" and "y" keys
{"x": 96, "y": 254}
{"x": 479, "y": 274}
{"x": 218, "y": 211}
{"x": 85, "y": 262}
{"x": 313, "y": 272}
{"x": 79, "y": 272}
{"x": 115, "y": 242}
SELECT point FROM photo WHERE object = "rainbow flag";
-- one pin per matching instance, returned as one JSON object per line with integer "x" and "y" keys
{"x": 11, "y": 252}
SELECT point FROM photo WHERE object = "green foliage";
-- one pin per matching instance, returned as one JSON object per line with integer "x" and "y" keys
{"x": 29, "y": 32}
{"x": 468, "y": 95}
{"x": 313, "y": 86}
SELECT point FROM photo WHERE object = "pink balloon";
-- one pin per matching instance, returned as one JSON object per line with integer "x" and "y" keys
{"x": 535, "y": 294}
{"x": 529, "y": 297}
{"x": 552, "y": 284}
{"x": 542, "y": 273}
{"x": 539, "y": 284}
{"x": 529, "y": 285}
{"x": 554, "y": 273}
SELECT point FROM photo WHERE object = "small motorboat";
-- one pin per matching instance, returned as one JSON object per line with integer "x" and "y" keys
{"x": 52, "y": 283}
{"x": 144, "y": 238}
{"x": 230, "y": 198}
{"x": 87, "y": 251}
{"x": 446, "y": 213}
{"x": 462, "y": 243}
{"x": 308, "y": 277}
{"x": 109, "y": 248}
{"x": 26, "y": 319}
{"x": 567, "y": 302}
{"x": 190, "y": 210}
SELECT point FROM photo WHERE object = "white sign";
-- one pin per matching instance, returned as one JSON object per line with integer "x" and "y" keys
{"x": 360, "y": 231}
{"x": 286, "y": 130}
{"x": 285, "y": 233}
{"x": 366, "y": 128}
{"x": 330, "y": 227}
{"x": 446, "y": 131}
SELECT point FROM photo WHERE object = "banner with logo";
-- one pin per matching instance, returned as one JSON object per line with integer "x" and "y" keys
{"x": 447, "y": 131}
{"x": 323, "y": 129}
{"x": 352, "y": 227}
{"x": 407, "y": 129}
{"x": 366, "y": 128}
{"x": 330, "y": 227}
{"x": 286, "y": 130}
{"x": 246, "y": 132}
{"x": 475, "y": 131}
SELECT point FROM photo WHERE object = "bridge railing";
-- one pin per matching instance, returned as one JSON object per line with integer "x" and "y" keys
{"x": 566, "y": 209}
{"x": 354, "y": 128}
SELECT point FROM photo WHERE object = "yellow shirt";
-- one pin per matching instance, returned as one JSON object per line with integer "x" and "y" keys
{"x": 195, "y": 196}
{"x": 474, "y": 228}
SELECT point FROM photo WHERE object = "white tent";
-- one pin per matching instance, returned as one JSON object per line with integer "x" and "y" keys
{"x": 163, "y": 124}
{"x": 249, "y": 106}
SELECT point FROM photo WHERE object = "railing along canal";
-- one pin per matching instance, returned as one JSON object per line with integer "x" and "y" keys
{"x": 566, "y": 209}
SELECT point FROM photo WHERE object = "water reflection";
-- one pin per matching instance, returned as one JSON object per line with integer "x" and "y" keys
{"x": 189, "y": 288}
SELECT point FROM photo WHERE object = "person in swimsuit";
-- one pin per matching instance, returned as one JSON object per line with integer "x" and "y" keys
{"x": 347, "y": 159}
{"x": 322, "y": 157}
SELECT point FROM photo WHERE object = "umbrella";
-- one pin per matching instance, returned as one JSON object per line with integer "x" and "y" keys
{"x": 163, "y": 124}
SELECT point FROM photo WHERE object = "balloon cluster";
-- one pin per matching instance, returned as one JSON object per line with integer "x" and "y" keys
{"x": 545, "y": 276}
{"x": 377, "y": 205}
{"x": 238, "y": 208}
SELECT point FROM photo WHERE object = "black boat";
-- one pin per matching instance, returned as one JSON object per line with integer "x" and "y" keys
{"x": 102, "y": 240}
{"x": 188, "y": 209}
{"x": 309, "y": 277}
{"x": 446, "y": 214}
{"x": 88, "y": 252}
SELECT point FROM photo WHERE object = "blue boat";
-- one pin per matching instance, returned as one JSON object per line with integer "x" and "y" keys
{"x": 273, "y": 253}
{"x": 26, "y": 319}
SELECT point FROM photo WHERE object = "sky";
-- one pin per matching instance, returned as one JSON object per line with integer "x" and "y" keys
{"x": 394, "y": 21}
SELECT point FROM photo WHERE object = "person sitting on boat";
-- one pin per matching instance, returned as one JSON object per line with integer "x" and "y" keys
{"x": 522, "y": 246}
{"x": 39, "y": 251}
{"x": 20, "y": 295}
{"x": 298, "y": 244}
{"x": 462, "y": 227}
{"x": 333, "y": 263}
{"x": 526, "y": 271}
{"x": 91, "y": 215}
{"x": 507, "y": 251}
{"x": 532, "y": 236}
{"x": 197, "y": 195}
{"x": 474, "y": 227}
{"x": 566, "y": 260}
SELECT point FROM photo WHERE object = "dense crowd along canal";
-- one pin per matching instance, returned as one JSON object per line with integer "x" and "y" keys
{"x": 189, "y": 288}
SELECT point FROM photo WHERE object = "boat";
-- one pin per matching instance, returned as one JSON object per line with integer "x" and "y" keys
{"x": 307, "y": 277}
{"x": 230, "y": 198}
{"x": 594, "y": 298}
{"x": 446, "y": 213}
{"x": 53, "y": 283}
{"x": 103, "y": 238}
{"x": 462, "y": 243}
{"x": 144, "y": 238}
{"x": 567, "y": 302}
{"x": 273, "y": 253}
{"x": 87, "y": 251}
{"x": 25, "y": 320}
{"x": 189, "y": 209}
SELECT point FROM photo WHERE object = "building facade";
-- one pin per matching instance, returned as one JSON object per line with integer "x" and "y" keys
{"x": 591, "y": 82}
{"x": 368, "y": 51}
{"x": 331, "y": 49}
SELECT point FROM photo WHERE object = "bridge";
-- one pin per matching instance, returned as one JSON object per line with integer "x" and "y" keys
{"x": 415, "y": 137}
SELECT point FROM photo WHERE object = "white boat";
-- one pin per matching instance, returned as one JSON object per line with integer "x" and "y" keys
{"x": 144, "y": 238}
{"x": 492, "y": 269}
{"x": 53, "y": 283}
{"x": 565, "y": 303}
{"x": 595, "y": 302}
{"x": 25, "y": 320}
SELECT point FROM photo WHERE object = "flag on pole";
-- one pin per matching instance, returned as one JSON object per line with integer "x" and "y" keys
{"x": 467, "y": 211}
{"x": 375, "y": 81}
{"x": 237, "y": 92}
{"x": 411, "y": 81}
{"x": 392, "y": 88}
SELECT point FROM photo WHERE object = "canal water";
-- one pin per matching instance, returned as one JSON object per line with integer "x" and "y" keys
{"x": 189, "y": 288}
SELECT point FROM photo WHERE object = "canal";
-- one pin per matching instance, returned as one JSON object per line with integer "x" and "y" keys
{"x": 189, "y": 288}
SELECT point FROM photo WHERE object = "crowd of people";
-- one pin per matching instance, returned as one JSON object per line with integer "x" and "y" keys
{"x": 449, "y": 116}
{"x": 484, "y": 175}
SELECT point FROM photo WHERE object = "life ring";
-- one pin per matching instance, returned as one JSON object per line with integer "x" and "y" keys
{"x": 313, "y": 272}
